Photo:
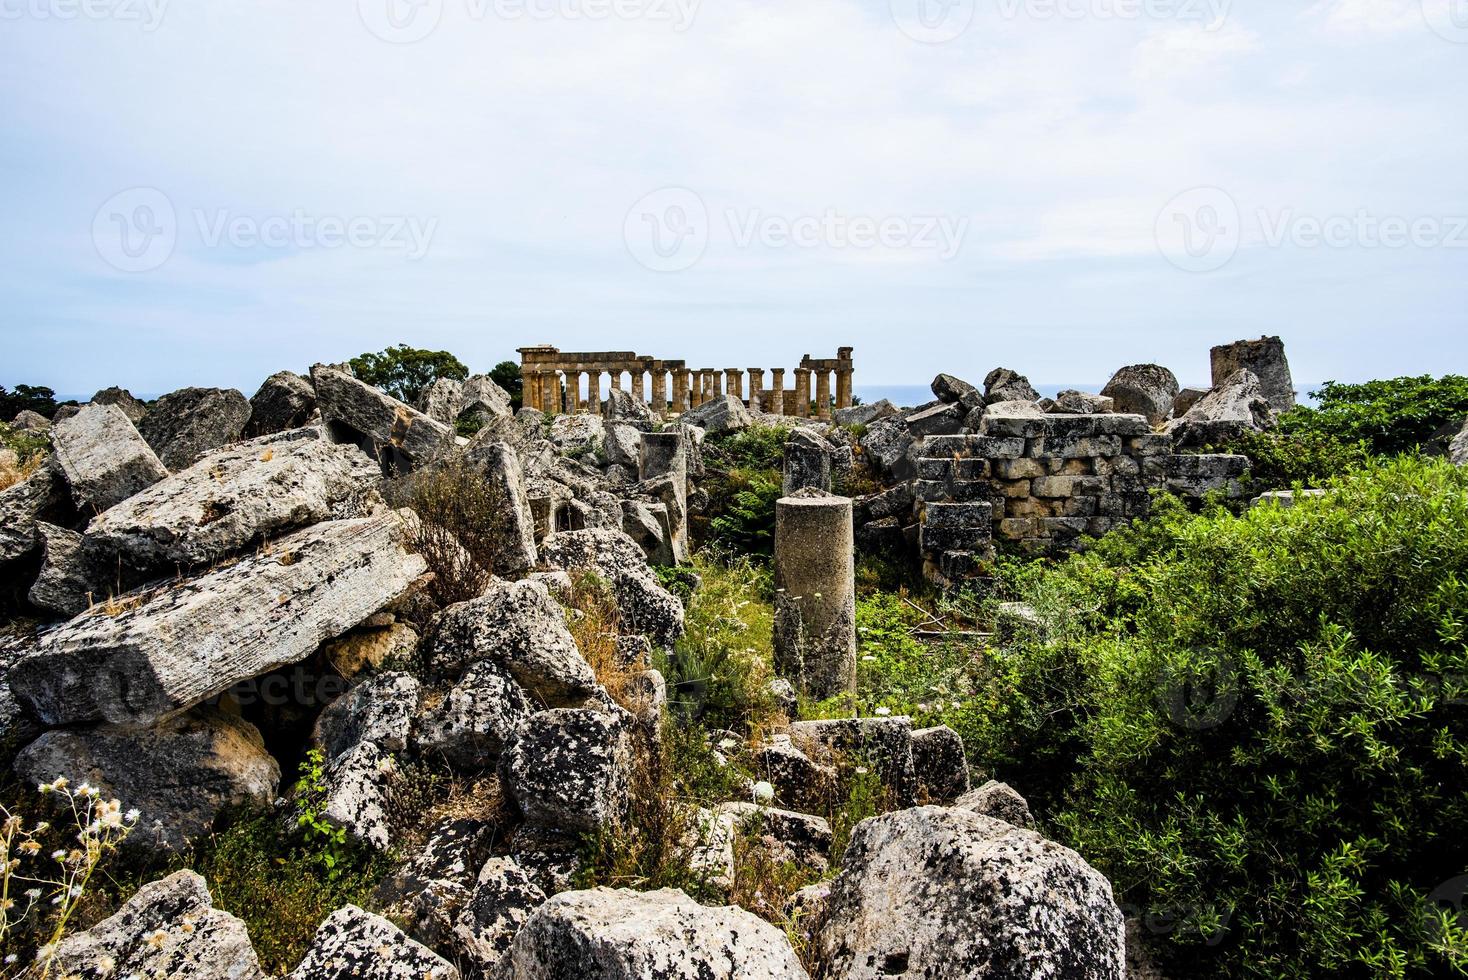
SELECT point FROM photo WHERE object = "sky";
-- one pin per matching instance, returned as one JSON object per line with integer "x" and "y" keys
{"x": 206, "y": 192}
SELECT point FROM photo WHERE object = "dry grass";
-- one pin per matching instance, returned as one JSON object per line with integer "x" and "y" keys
{"x": 595, "y": 623}
{"x": 13, "y": 469}
{"x": 460, "y": 530}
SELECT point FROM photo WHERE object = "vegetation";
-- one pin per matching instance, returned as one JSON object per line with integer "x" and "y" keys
{"x": 21, "y": 454}
{"x": 1397, "y": 415}
{"x": 460, "y": 525}
{"x": 744, "y": 478}
{"x": 26, "y": 398}
{"x": 506, "y": 374}
{"x": 404, "y": 371}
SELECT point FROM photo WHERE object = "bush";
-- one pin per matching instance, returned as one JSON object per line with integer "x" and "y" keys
{"x": 1393, "y": 416}
{"x": 404, "y": 371}
{"x": 1307, "y": 457}
{"x": 21, "y": 454}
{"x": 744, "y": 481}
{"x": 461, "y": 527}
{"x": 26, "y": 398}
{"x": 1265, "y": 717}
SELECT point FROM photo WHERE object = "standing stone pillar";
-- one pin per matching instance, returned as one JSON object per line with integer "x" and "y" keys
{"x": 574, "y": 404}
{"x": 529, "y": 389}
{"x": 823, "y": 394}
{"x": 710, "y": 384}
{"x": 843, "y": 388}
{"x": 734, "y": 382}
{"x": 593, "y": 392}
{"x": 815, "y": 594}
{"x": 756, "y": 389}
{"x": 553, "y": 393}
{"x": 777, "y": 391}
{"x": 802, "y": 392}
{"x": 663, "y": 455}
{"x": 695, "y": 391}
{"x": 639, "y": 386}
{"x": 680, "y": 391}
{"x": 659, "y": 392}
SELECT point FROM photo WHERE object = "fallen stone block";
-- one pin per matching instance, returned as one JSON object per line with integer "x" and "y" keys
{"x": 379, "y": 709}
{"x": 285, "y": 401}
{"x": 186, "y": 424}
{"x": 645, "y": 606}
{"x": 469, "y": 725}
{"x": 38, "y": 497}
{"x": 1004, "y": 385}
{"x": 883, "y": 745}
{"x": 1265, "y": 359}
{"x": 722, "y": 413}
{"x": 940, "y": 765}
{"x": 356, "y": 945}
{"x": 1000, "y": 801}
{"x": 398, "y": 436}
{"x": 103, "y": 458}
{"x": 132, "y": 407}
{"x": 568, "y": 769}
{"x": 69, "y": 580}
{"x": 1143, "y": 389}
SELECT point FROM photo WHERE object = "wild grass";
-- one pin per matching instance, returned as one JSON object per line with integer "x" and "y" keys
{"x": 460, "y": 529}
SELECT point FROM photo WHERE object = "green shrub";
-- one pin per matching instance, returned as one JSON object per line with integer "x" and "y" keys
{"x": 1262, "y": 724}
{"x": 461, "y": 529}
{"x": 1306, "y": 457}
{"x": 1393, "y": 416}
{"x": 404, "y": 371}
{"x": 743, "y": 483}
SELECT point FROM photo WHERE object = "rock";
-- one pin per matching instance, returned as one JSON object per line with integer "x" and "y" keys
{"x": 707, "y": 847}
{"x": 440, "y": 400}
{"x": 368, "y": 648}
{"x": 399, "y": 437}
{"x": 882, "y": 744}
{"x": 806, "y": 838}
{"x": 356, "y": 945}
{"x": 169, "y": 928}
{"x": 357, "y": 786}
{"x": 1458, "y": 448}
{"x": 621, "y": 405}
{"x": 784, "y": 694}
{"x": 1080, "y": 403}
{"x": 806, "y": 909}
{"x": 885, "y": 445}
{"x": 69, "y": 581}
{"x": 940, "y": 764}
{"x": 455, "y": 850}
{"x": 1196, "y": 476}
{"x": 864, "y": 414}
{"x": 521, "y": 628}
{"x": 1186, "y": 399}
{"x": 379, "y": 709}
{"x": 557, "y": 583}
{"x": 550, "y": 857}
{"x": 504, "y": 898}
{"x": 568, "y": 768}
{"x": 184, "y": 425}
{"x": 167, "y": 649}
{"x": 951, "y": 390}
{"x": 1234, "y": 406}
{"x": 1284, "y": 498}
{"x": 234, "y": 498}
{"x": 1004, "y": 385}
{"x": 123, "y": 399}
{"x": 645, "y": 606}
{"x": 807, "y": 462}
{"x": 181, "y": 773}
{"x": 662, "y": 935}
{"x": 722, "y": 413}
{"x": 285, "y": 401}
{"x": 38, "y": 497}
{"x": 1265, "y": 359}
{"x": 648, "y": 525}
{"x": 940, "y": 894}
{"x": 621, "y": 444}
{"x": 1000, "y": 801}
{"x": 800, "y": 782}
{"x": 64, "y": 412}
{"x": 33, "y": 422}
{"x": 103, "y": 458}
{"x": 941, "y": 420}
{"x": 576, "y": 435}
{"x": 1143, "y": 389}
{"x": 1011, "y": 410}
{"x": 469, "y": 726}
{"x": 514, "y": 547}
{"x": 482, "y": 400}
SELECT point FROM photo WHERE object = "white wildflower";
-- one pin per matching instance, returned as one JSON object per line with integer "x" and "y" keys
{"x": 883, "y": 712}
{"x": 764, "y": 793}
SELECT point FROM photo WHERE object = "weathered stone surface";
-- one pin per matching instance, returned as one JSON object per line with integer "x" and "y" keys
{"x": 864, "y": 414}
{"x": 440, "y": 400}
{"x": 169, "y": 648}
{"x": 568, "y": 768}
{"x": 1458, "y": 448}
{"x": 885, "y": 447}
{"x": 481, "y": 400}
{"x": 948, "y": 389}
{"x": 285, "y": 401}
{"x": 1265, "y": 359}
{"x": 577, "y": 435}
{"x": 356, "y": 945}
{"x": 707, "y": 847}
{"x": 32, "y": 422}
{"x": 358, "y": 784}
{"x": 35, "y": 498}
{"x": 103, "y": 458}
{"x": 807, "y": 462}
{"x": 1234, "y": 406}
{"x": 722, "y": 413}
{"x": 184, "y": 425}
{"x": 1143, "y": 389}
{"x": 514, "y": 550}
{"x": 469, "y": 725}
{"x": 1186, "y": 399}
{"x": 949, "y": 895}
{"x": 520, "y": 627}
{"x": 621, "y": 405}
{"x": 800, "y": 782}
{"x": 169, "y": 928}
{"x": 882, "y": 744}
{"x": 1284, "y": 498}
{"x": 1000, "y": 801}
{"x": 453, "y": 853}
{"x": 69, "y": 580}
{"x": 940, "y": 765}
{"x": 503, "y": 899}
{"x": 371, "y": 646}
{"x": 661, "y": 935}
{"x": 804, "y": 837}
{"x": 621, "y": 444}
{"x": 1073, "y": 402}
{"x": 236, "y": 497}
{"x": 1200, "y": 475}
{"x": 646, "y": 606}
{"x": 551, "y": 857}
{"x": 647, "y": 524}
{"x": 815, "y": 593}
{"x": 133, "y": 408}
{"x": 1004, "y": 385}
{"x": 940, "y": 420}
{"x": 398, "y": 436}
{"x": 181, "y": 773}
{"x": 379, "y": 709}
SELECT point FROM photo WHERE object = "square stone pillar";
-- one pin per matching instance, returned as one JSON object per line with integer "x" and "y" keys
{"x": 710, "y": 384}
{"x": 823, "y": 394}
{"x": 659, "y": 392}
{"x": 756, "y": 389}
{"x": 777, "y": 392}
{"x": 529, "y": 389}
{"x": 734, "y": 382}
{"x": 802, "y": 392}
{"x": 843, "y": 388}
{"x": 593, "y": 392}
{"x": 680, "y": 391}
{"x": 639, "y": 386}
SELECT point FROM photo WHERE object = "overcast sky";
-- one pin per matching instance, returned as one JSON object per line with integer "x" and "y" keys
{"x": 204, "y": 192}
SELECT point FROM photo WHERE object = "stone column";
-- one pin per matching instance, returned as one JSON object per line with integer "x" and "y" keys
{"x": 593, "y": 392}
{"x": 639, "y": 386}
{"x": 756, "y": 389}
{"x": 574, "y": 404}
{"x": 680, "y": 391}
{"x": 659, "y": 393}
{"x": 734, "y": 382}
{"x": 777, "y": 391}
{"x": 843, "y": 388}
{"x": 529, "y": 389}
{"x": 815, "y": 595}
{"x": 710, "y": 384}
{"x": 823, "y": 394}
{"x": 557, "y": 397}
{"x": 695, "y": 391}
{"x": 663, "y": 455}
{"x": 802, "y": 392}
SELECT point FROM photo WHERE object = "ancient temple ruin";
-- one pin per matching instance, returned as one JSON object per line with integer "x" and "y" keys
{"x": 572, "y": 383}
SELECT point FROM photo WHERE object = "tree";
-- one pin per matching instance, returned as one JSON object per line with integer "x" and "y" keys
{"x": 26, "y": 398}
{"x": 404, "y": 371}
{"x": 506, "y": 374}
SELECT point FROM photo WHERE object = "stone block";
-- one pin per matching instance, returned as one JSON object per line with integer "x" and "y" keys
{"x": 955, "y": 491}
{"x": 1057, "y": 487}
{"x": 1018, "y": 469}
{"x": 957, "y": 515}
{"x": 1151, "y": 444}
{"x": 1014, "y": 528}
{"x": 1022, "y": 426}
